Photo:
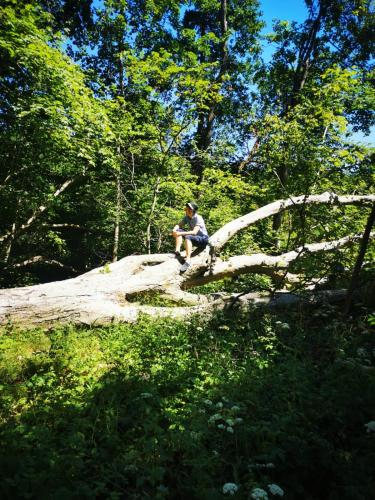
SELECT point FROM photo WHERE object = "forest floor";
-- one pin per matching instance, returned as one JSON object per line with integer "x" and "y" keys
{"x": 248, "y": 405}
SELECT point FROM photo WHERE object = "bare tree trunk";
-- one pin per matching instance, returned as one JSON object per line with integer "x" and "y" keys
{"x": 148, "y": 230}
{"x": 354, "y": 282}
{"x": 10, "y": 243}
{"x": 116, "y": 235}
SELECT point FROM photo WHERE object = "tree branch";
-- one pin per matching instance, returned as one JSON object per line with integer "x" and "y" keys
{"x": 224, "y": 234}
{"x": 266, "y": 264}
{"x": 65, "y": 225}
{"x": 38, "y": 211}
{"x": 38, "y": 259}
{"x": 102, "y": 295}
{"x": 11, "y": 175}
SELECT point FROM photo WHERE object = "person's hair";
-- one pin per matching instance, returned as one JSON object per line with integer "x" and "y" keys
{"x": 193, "y": 206}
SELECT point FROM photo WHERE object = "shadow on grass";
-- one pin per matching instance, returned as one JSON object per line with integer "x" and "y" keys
{"x": 176, "y": 410}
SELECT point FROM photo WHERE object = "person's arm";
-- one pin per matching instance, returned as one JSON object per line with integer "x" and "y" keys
{"x": 188, "y": 233}
{"x": 180, "y": 225}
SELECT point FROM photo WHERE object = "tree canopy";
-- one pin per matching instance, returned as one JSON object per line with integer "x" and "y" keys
{"x": 113, "y": 114}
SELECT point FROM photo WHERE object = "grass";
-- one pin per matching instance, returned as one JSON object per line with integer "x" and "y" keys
{"x": 170, "y": 409}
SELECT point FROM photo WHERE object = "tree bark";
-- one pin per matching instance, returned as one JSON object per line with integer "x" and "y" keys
{"x": 112, "y": 293}
{"x": 361, "y": 255}
{"x": 152, "y": 210}
{"x": 299, "y": 79}
{"x": 205, "y": 129}
{"x": 116, "y": 235}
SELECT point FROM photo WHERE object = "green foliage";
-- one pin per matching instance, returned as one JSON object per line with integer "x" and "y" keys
{"x": 54, "y": 131}
{"x": 311, "y": 142}
{"x": 170, "y": 409}
{"x": 162, "y": 105}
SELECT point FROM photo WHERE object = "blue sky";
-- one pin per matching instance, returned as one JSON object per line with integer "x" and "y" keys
{"x": 286, "y": 10}
{"x": 291, "y": 10}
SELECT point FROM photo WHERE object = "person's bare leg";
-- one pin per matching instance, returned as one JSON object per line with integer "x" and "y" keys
{"x": 188, "y": 248}
{"x": 178, "y": 243}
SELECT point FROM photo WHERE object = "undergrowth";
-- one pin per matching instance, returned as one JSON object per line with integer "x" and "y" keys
{"x": 239, "y": 406}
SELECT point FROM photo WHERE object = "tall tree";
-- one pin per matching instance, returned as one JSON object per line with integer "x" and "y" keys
{"x": 336, "y": 33}
{"x": 224, "y": 34}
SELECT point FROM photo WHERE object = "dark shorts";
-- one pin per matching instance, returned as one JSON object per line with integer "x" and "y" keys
{"x": 197, "y": 241}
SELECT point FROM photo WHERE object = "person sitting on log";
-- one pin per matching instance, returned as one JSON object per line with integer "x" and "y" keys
{"x": 196, "y": 235}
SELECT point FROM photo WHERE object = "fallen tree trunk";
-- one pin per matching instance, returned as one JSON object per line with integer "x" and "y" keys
{"x": 113, "y": 293}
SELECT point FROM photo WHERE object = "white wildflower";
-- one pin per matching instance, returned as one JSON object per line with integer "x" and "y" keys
{"x": 219, "y": 404}
{"x": 230, "y": 489}
{"x": 259, "y": 494}
{"x": 223, "y": 327}
{"x": 370, "y": 426}
{"x": 230, "y": 430}
{"x": 208, "y": 402}
{"x": 285, "y": 326}
{"x": 221, "y": 426}
{"x": 276, "y": 490}
{"x": 199, "y": 329}
{"x": 235, "y": 408}
{"x": 230, "y": 422}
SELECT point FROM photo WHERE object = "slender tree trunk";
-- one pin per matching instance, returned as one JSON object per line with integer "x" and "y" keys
{"x": 354, "y": 282}
{"x": 299, "y": 80}
{"x": 116, "y": 235}
{"x": 283, "y": 174}
{"x": 148, "y": 231}
{"x": 10, "y": 243}
{"x": 206, "y": 121}
{"x": 304, "y": 58}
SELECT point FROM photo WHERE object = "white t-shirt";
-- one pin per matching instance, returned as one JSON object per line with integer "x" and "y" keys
{"x": 196, "y": 220}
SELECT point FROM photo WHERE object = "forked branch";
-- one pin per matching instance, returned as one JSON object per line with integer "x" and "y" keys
{"x": 110, "y": 293}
